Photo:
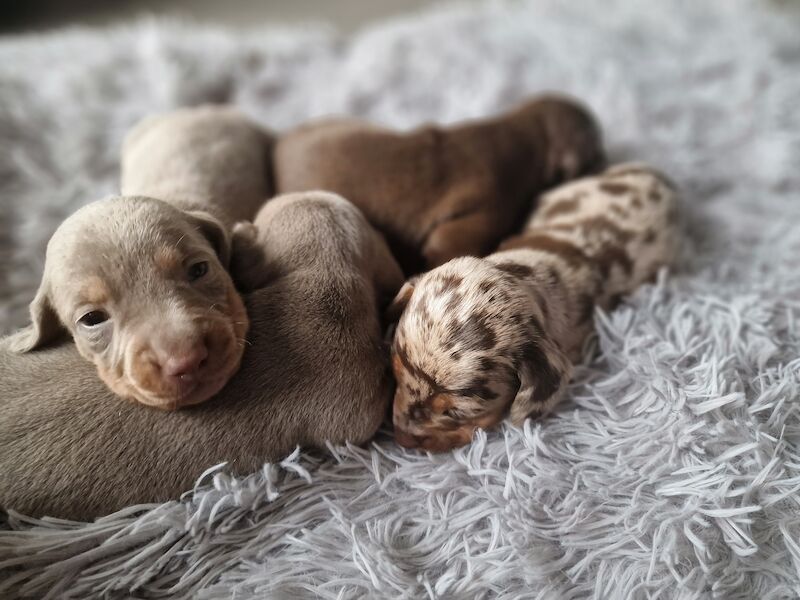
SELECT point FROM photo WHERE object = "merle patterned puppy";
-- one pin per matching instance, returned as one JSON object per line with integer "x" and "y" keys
{"x": 482, "y": 339}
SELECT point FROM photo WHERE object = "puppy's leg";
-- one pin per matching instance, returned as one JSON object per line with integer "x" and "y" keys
{"x": 387, "y": 275}
{"x": 461, "y": 236}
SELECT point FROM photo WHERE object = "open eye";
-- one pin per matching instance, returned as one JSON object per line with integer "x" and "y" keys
{"x": 197, "y": 270}
{"x": 93, "y": 318}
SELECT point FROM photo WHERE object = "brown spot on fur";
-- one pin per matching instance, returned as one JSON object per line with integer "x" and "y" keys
{"x": 487, "y": 364}
{"x": 401, "y": 363}
{"x": 636, "y": 202}
{"x": 566, "y": 250}
{"x": 95, "y": 291}
{"x": 649, "y": 236}
{"x": 454, "y": 302}
{"x": 167, "y": 258}
{"x": 441, "y": 402}
{"x": 474, "y": 333}
{"x": 486, "y": 285}
{"x": 450, "y": 282}
{"x": 615, "y": 189}
{"x": 515, "y": 269}
{"x": 546, "y": 378}
{"x": 562, "y": 207}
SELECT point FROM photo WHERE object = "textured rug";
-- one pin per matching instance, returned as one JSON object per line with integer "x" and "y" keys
{"x": 672, "y": 471}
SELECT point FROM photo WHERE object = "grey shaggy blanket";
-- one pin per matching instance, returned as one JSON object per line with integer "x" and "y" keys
{"x": 671, "y": 471}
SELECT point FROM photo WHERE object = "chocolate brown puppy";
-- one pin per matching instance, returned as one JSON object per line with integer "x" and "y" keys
{"x": 441, "y": 192}
{"x": 315, "y": 369}
{"x": 482, "y": 339}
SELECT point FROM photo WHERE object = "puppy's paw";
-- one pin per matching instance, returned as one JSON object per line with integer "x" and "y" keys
{"x": 244, "y": 231}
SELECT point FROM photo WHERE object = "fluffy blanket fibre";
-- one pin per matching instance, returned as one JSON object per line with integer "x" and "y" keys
{"x": 673, "y": 469}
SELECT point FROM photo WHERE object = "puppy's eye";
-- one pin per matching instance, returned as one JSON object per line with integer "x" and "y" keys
{"x": 452, "y": 413}
{"x": 197, "y": 270}
{"x": 93, "y": 318}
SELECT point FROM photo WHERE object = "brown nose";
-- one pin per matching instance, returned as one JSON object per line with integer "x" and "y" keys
{"x": 407, "y": 440}
{"x": 186, "y": 363}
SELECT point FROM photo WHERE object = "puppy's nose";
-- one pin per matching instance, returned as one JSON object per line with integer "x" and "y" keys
{"x": 407, "y": 440}
{"x": 185, "y": 363}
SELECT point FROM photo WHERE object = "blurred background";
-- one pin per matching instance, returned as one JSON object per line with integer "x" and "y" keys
{"x": 346, "y": 15}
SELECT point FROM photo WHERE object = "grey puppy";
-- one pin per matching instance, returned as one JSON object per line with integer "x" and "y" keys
{"x": 140, "y": 281}
{"x": 315, "y": 370}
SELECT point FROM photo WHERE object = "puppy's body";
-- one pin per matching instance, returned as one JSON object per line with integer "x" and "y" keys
{"x": 209, "y": 158}
{"x": 315, "y": 369}
{"x": 484, "y": 337}
{"x": 438, "y": 193}
{"x": 140, "y": 280}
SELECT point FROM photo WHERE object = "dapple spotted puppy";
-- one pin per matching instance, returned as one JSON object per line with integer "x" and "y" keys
{"x": 480, "y": 339}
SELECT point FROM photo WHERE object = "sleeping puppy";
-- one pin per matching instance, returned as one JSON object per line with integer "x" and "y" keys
{"x": 481, "y": 339}
{"x": 441, "y": 192}
{"x": 315, "y": 370}
{"x": 140, "y": 282}
{"x": 208, "y": 158}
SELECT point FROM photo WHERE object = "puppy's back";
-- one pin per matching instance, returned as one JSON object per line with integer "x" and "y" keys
{"x": 315, "y": 370}
{"x": 207, "y": 158}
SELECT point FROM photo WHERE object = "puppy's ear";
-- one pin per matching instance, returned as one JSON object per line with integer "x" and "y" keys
{"x": 215, "y": 232}
{"x": 401, "y": 300}
{"x": 543, "y": 371}
{"x": 45, "y": 326}
{"x": 248, "y": 267}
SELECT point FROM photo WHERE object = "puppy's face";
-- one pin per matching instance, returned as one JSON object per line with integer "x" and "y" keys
{"x": 142, "y": 288}
{"x": 456, "y": 354}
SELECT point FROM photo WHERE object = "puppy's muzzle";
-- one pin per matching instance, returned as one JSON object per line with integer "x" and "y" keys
{"x": 408, "y": 440}
{"x": 182, "y": 365}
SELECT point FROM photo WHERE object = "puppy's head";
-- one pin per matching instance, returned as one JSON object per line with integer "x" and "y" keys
{"x": 469, "y": 348}
{"x": 571, "y": 137}
{"x": 143, "y": 289}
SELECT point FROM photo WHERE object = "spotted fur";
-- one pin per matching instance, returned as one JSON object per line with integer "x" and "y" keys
{"x": 480, "y": 339}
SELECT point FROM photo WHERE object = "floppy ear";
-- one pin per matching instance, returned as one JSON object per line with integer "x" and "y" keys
{"x": 248, "y": 267}
{"x": 401, "y": 300}
{"x": 45, "y": 326}
{"x": 213, "y": 229}
{"x": 543, "y": 372}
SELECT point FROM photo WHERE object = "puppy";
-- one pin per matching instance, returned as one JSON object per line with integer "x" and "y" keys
{"x": 482, "y": 338}
{"x": 140, "y": 282}
{"x": 209, "y": 158}
{"x": 315, "y": 370}
{"x": 441, "y": 192}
